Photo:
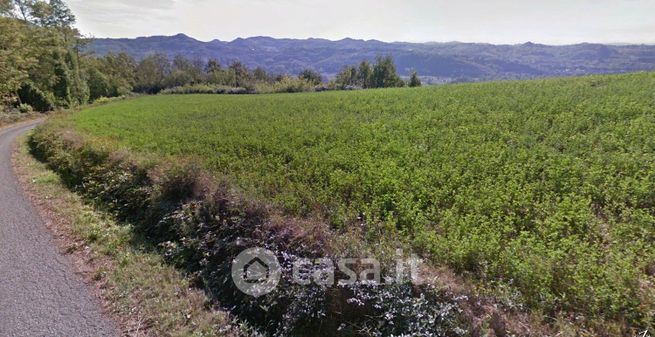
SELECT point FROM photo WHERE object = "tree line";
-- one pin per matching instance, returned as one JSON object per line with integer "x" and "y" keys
{"x": 382, "y": 74}
{"x": 43, "y": 66}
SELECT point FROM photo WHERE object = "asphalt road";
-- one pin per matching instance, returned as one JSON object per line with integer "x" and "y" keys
{"x": 40, "y": 295}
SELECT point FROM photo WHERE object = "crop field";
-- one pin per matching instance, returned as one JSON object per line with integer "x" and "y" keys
{"x": 543, "y": 189}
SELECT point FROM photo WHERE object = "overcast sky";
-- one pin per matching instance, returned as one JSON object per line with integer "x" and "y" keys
{"x": 494, "y": 21}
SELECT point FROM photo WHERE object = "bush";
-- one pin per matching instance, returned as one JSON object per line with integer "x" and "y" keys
{"x": 205, "y": 89}
{"x": 285, "y": 84}
{"x": 25, "y": 108}
{"x": 102, "y": 100}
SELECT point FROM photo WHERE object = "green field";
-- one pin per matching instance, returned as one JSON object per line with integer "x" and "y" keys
{"x": 543, "y": 188}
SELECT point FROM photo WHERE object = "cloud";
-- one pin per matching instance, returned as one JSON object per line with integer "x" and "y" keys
{"x": 496, "y": 21}
{"x": 120, "y": 17}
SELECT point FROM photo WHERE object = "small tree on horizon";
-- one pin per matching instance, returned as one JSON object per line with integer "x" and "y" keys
{"x": 384, "y": 73}
{"x": 365, "y": 75}
{"x": 311, "y": 76}
{"x": 414, "y": 80}
{"x": 347, "y": 77}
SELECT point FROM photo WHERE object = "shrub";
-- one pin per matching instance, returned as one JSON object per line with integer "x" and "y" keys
{"x": 205, "y": 89}
{"x": 285, "y": 84}
{"x": 25, "y": 108}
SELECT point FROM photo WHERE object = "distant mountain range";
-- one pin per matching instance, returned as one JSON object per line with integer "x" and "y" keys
{"x": 435, "y": 62}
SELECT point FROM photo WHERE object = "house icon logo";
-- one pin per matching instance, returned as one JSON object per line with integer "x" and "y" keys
{"x": 256, "y": 271}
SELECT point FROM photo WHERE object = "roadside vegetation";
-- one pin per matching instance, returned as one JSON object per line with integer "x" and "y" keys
{"x": 148, "y": 296}
{"x": 15, "y": 117}
{"x": 539, "y": 192}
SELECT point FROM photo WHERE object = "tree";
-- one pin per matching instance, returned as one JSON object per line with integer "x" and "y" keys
{"x": 384, "y": 73}
{"x": 184, "y": 72}
{"x": 310, "y": 76}
{"x": 79, "y": 89}
{"x": 51, "y": 14}
{"x": 365, "y": 75}
{"x": 261, "y": 75}
{"x": 41, "y": 62}
{"x": 212, "y": 66}
{"x": 239, "y": 75}
{"x": 62, "y": 86}
{"x": 6, "y": 8}
{"x": 60, "y": 15}
{"x": 121, "y": 70}
{"x": 109, "y": 76}
{"x": 414, "y": 81}
{"x": 16, "y": 58}
{"x": 98, "y": 82}
{"x": 151, "y": 73}
{"x": 24, "y": 7}
{"x": 347, "y": 77}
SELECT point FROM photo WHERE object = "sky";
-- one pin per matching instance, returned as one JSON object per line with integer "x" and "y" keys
{"x": 492, "y": 21}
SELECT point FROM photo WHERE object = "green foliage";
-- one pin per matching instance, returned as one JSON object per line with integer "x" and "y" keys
{"x": 384, "y": 73}
{"x": 40, "y": 101}
{"x": 16, "y": 57}
{"x": 98, "y": 82}
{"x": 42, "y": 50}
{"x": 365, "y": 75}
{"x": 6, "y": 8}
{"x": 284, "y": 84}
{"x": 204, "y": 89}
{"x": 53, "y": 14}
{"x": 109, "y": 76}
{"x": 414, "y": 81}
{"x": 381, "y": 75}
{"x": 25, "y": 108}
{"x": 79, "y": 88}
{"x": 260, "y": 74}
{"x": 62, "y": 86}
{"x": 311, "y": 76}
{"x": 151, "y": 74}
{"x": 184, "y": 72}
{"x": 545, "y": 187}
{"x": 347, "y": 77}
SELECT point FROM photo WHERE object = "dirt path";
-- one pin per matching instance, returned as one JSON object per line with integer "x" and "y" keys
{"x": 40, "y": 295}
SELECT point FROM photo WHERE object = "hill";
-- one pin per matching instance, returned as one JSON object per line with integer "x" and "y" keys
{"x": 436, "y": 62}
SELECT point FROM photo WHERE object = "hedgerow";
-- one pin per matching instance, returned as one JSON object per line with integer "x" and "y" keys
{"x": 205, "y": 89}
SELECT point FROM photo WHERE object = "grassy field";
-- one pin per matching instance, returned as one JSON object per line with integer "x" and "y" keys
{"x": 543, "y": 188}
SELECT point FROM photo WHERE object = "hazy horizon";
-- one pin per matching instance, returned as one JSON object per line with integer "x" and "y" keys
{"x": 557, "y": 22}
{"x": 361, "y": 39}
